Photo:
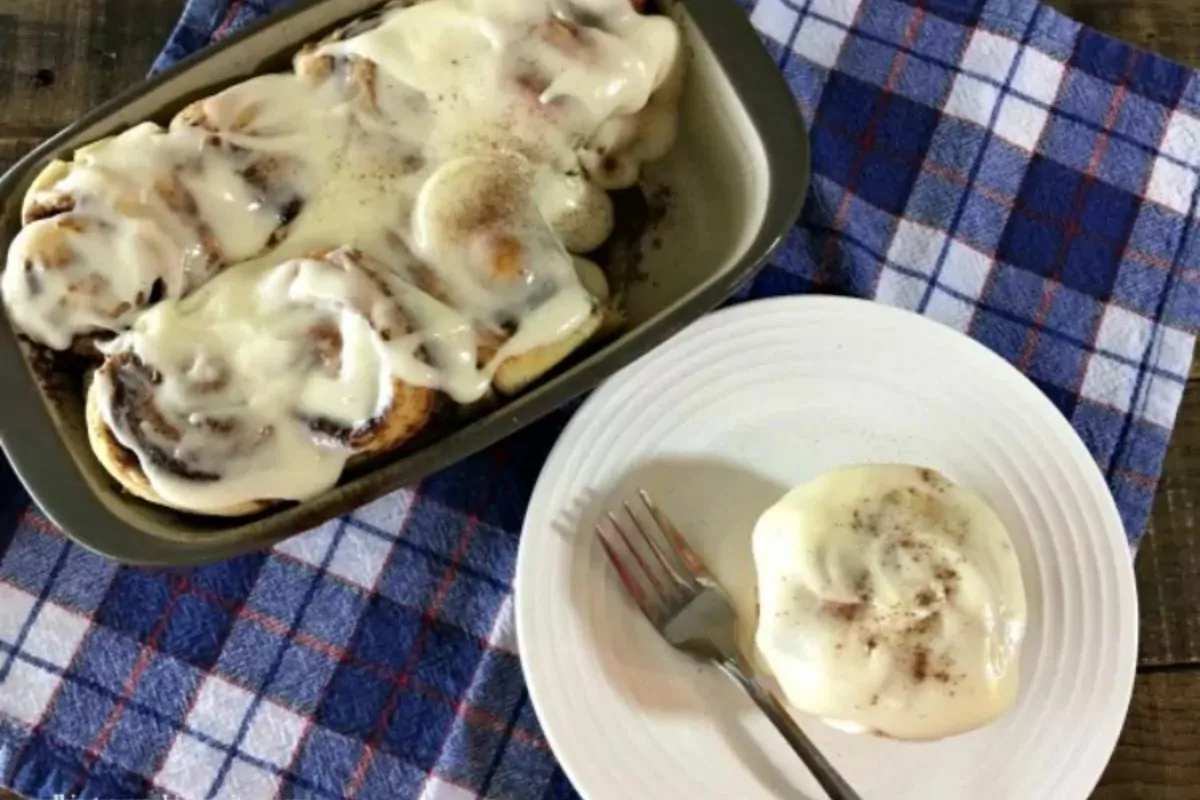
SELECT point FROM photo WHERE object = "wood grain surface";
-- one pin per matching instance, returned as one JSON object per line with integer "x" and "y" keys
{"x": 62, "y": 57}
{"x": 1158, "y": 757}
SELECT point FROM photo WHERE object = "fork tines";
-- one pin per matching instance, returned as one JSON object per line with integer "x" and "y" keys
{"x": 675, "y": 578}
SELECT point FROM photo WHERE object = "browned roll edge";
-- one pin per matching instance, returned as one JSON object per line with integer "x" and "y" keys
{"x": 410, "y": 411}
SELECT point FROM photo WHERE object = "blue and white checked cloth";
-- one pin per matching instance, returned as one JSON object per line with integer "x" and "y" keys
{"x": 988, "y": 163}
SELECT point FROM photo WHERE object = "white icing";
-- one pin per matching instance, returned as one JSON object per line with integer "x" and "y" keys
{"x": 890, "y": 600}
{"x": 441, "y": 155}
{"x": 252, "y": 358}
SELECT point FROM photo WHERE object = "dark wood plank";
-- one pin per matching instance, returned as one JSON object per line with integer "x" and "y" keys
{"x": 1168, "y": 562}
{"x": 1168, "y": 27}
{"x": 63, "y": 57}
{"x": 1158, "y": 757}
{"x": 13, "y": 147}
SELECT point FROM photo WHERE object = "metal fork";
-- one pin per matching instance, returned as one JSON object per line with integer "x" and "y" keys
{"x": 693, "y": 613}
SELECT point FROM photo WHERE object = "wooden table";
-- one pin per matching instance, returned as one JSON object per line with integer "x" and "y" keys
{"x": 62, "y": 57}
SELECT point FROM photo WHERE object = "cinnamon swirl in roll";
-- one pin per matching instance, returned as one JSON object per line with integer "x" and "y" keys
{"x": 280, "y": 135}
{"x": 303, "y": 266}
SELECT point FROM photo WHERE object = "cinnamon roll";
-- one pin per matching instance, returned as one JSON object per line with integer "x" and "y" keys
{"x": 498, "y": 259}
{"x": 144, "y": 215}
{"x": 260, "y": 389}
{"x": 890, "y": 601}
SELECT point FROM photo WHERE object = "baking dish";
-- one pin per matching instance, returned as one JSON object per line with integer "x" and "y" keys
{"x": 736, "y": 180}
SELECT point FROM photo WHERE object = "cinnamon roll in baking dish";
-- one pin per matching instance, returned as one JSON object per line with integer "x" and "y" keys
{"x": 265, "y": 391}
{"x": 301, "y": 269}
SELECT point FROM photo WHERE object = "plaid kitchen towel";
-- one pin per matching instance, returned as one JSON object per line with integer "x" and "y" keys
{"x": 991, "y": 164}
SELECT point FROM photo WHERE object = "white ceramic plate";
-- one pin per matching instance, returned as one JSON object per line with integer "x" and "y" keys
{"x": 716, "y": 424}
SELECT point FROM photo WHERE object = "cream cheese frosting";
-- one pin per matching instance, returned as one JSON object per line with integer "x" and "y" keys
{"x": 890, "y": 601}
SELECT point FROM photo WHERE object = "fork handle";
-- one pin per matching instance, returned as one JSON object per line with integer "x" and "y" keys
{"x": 831, "y": 781}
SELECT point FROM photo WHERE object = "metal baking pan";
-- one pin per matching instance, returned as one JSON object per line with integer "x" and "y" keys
{"x": 737, "y": 178}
